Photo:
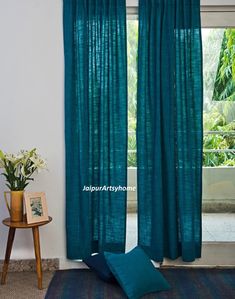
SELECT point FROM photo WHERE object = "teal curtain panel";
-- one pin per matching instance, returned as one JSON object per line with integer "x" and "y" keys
{"x": 169, "y": 129}
{"x": 95, "y": 125}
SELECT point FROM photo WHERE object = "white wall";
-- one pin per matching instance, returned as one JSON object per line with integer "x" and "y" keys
{"x": 31, "y": 109}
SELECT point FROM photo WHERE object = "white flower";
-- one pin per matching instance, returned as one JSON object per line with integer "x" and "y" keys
{"x": 10, "y": 158}
{"x": 38, "y": 162}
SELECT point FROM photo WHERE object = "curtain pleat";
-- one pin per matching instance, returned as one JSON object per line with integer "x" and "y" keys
{"x": 169, "y": 128}
{"x": 95, "y": 125}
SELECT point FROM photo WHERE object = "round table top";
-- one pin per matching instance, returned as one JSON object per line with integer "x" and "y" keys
{"x": 24, "y": 224}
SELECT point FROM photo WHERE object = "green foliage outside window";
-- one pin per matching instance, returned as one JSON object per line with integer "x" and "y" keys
{"x": 218, "y": 120}
{"x": 132, "y": 45}
{"x": 224, "y": 87}
{"x": 219, "y": 93}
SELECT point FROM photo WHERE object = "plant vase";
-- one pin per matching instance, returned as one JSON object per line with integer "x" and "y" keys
{"x": 16, "y": 207}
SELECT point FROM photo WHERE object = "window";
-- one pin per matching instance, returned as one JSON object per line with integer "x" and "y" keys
{"x": 219, "y": 94}
{"x": 132, "y": 46}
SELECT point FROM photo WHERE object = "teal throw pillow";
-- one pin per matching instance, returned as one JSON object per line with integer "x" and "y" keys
{"x": 135, "y": 273}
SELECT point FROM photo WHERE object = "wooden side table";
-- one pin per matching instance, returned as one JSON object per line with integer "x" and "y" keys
{"x": 11, "y": 234}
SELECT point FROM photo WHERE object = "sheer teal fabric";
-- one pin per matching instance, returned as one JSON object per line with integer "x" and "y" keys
{"x": 95, "y": 124}
{"x": 169, "y": 128}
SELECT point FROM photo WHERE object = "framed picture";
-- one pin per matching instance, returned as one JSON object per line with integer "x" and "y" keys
{"x": 36, "y": 207}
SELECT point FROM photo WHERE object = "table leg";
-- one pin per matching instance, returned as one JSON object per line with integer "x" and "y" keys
{"x": 37, "y": 255}
{"x": 11, "y": 235}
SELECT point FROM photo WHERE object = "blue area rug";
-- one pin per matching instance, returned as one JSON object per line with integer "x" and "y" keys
{"x": 185, "y": 284}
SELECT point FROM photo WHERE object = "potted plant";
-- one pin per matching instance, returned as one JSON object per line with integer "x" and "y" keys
{"x": 18, "y": 170}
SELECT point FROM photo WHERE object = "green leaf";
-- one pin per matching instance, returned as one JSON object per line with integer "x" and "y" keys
{"x": 2, "y": 156}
